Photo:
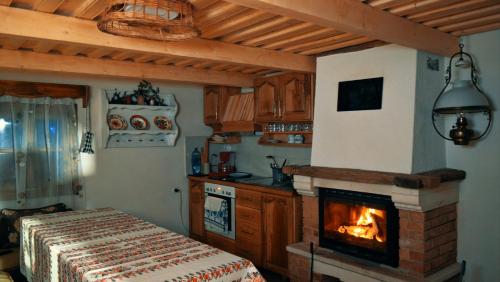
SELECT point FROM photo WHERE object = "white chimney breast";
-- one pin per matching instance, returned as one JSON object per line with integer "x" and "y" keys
{"x": 381, "y": 140}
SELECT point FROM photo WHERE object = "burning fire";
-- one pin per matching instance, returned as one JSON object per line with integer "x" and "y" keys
{"x": 366, "y": 226}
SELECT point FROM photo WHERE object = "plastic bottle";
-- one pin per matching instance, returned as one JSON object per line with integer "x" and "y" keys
{"x": 196, "y": 161}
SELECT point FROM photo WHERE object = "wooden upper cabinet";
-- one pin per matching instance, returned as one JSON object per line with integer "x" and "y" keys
{"x": 296, "y": 97}
{"x": 212, "y": 102}
{"x": 287, "y": 98}
{"x": 266, "y": 99}
{"x": 215, "y": 101}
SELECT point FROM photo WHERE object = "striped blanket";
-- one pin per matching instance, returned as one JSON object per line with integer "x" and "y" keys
{"x": 109, "y": 245}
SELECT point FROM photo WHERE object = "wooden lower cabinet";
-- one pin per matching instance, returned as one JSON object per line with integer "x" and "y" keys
{"x": 221, "y": 242}
{"x": 279, "y": 230}
{"x": 265, "y": 224}
{"x": 197, "y": 210}
{"x": 249, "y": 234}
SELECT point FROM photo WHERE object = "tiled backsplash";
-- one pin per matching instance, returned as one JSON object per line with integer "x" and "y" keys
{"x": 251, "y": 157}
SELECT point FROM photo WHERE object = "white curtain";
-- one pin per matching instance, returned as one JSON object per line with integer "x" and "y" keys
{"x": 38, "y": 150}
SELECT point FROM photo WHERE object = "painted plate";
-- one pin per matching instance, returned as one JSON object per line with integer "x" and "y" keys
{"x": 163, "y": 123}
{"x": 139, "y": 122}
{"x": 117, "y": 122}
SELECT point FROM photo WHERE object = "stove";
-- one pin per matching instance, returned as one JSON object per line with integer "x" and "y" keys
{"x": 257, "y": 180}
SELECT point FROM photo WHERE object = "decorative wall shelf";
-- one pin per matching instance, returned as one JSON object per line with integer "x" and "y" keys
{"x": 140, "y": 107}
{"x": 151, "y": 135}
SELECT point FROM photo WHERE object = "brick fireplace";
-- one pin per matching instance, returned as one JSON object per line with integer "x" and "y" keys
{"x": 427, "y": 235}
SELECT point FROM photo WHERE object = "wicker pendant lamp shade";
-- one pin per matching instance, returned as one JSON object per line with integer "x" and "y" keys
{"x": 170, "y": 20}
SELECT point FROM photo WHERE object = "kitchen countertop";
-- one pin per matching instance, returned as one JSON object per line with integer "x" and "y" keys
{"x": 258, "y": 183}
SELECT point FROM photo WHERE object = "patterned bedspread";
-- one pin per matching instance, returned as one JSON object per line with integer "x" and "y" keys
{"x": 109, "y": 245}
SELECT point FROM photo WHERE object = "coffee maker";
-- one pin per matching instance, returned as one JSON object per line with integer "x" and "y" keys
{"x": 227, "y": 163}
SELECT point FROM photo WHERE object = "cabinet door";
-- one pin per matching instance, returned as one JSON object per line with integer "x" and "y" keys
{"x": 249, "y": 233}
{"x": 212, "y": 99}
{"x": 266, "y": 99}
{"x": 296, "y": 101}
{"x": 278, "y": 232}
{"x": 196, "y": 210}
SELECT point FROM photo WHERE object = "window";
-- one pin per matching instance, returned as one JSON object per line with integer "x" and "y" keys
{"x": 7, "y": 162}
{"x": 38, "y": 147}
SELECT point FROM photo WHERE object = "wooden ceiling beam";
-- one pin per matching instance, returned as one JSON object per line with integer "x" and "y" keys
{"x": 359, "y": 18}
{"x": 70, "y": 50}
{"x": 99, "y": 53}
{"x": 89, "y": 9}
{"x": 309, "y": 36}
{"x": 321, "y": 42}
{"x": 122, "y": 56}
{"x": 48, "y": 6}
{"x": 12, "y": 43}
{"x": 421, "y": 6}
{"x": 450, "y": 10}
{"x": 340, "y": 45}
{"x": 386, "y": 4}
{"x": 185, "y": 63}
{"x": 165, "y": 61}
{"x": 471, "y": 23}
{"x": 145, "y": 58}
{"x": 32, "y": 61}
{"x": 241, "y": 21}
{"x": 283, "y": 33}
{"x": 202, "y": 4}
{"x": 469, "y": 15}
{"x": 216, "y": 13}
{"x": 69, "y": 30}
{"x": 267, "y": 26}
{"x": 202, "y": 65}
{"x": 477, "y": 29}
{"x": 43, "y": 47}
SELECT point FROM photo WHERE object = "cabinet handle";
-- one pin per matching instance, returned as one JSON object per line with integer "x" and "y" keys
{"x": 274, "y": 109}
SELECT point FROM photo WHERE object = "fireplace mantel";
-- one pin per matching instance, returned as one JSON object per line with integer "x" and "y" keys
{"x": 430, "y": 179}
{"x": 417, "y": 192}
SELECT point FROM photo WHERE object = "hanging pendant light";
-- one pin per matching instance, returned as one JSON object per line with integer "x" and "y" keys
{"x": 167, "y": 20}
{"x": 462, "y": 100}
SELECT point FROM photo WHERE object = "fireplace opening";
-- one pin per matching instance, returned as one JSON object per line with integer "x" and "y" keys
{"x": 359, "y": 224}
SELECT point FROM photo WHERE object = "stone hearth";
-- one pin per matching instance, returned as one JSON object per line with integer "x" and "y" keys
{"x": 427, "y": 228}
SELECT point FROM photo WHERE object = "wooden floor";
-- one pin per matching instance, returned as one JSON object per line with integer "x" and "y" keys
{"x": 268, "y": 275}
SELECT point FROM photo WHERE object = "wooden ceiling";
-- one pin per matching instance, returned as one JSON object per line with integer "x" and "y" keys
{"x": 240, "y": 39}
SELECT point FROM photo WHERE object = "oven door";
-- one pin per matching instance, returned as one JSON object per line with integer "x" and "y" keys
{"x": 220, "y": 214}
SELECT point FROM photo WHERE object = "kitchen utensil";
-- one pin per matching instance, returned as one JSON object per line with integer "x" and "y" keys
{"x": 227, "y": 163}
{"x": 275, "y": 163}
{"x": 279, "y": 177}
{"x": 284, "y": 162}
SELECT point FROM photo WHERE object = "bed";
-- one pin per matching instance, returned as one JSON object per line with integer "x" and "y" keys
{"x": 110, "y": 245}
